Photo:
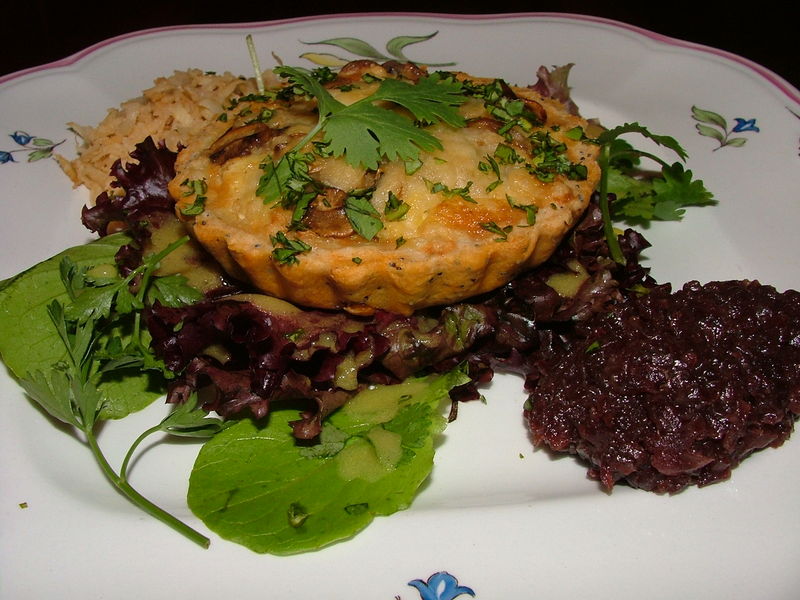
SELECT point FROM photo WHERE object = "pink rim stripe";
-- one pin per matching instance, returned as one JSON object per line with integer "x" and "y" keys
{"x": 771, "y": 77}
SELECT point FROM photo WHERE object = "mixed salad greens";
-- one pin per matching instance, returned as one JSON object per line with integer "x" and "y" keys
{"x": 107, "y": 335}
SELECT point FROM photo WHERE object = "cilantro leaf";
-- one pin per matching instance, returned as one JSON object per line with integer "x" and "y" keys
{"x": 188, "y": 420}
{"x": 678, "y": 189}
{"x": 88, "y": 307}
{"x": 286, "y": 250}
{"x": 431, "y": 99}
{"x": 643, "y": 198}
{"x": 395, "y": 208}
{"x": 172, "y": 290}
{"x": 52, "y": 392}
{"x": 364, "y": 133}
{"x": 610, "y": 135}
{"x": 662, "y": 198}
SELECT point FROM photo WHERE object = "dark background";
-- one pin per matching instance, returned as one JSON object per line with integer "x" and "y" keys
{"x": 36, "y": 32}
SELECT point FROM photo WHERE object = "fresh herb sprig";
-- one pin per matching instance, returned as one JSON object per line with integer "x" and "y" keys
{"x": 366, "y": 131}
{"x": 101, "y": 306}
{"x": 658, "y": 198}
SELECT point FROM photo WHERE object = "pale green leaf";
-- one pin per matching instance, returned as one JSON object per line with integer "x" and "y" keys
{"x": 396, "y": 45}
{"x": 736, "y": 142}
{"x": 710, "y": 132}
{"x": 430, "y": 99}
{"x": 39, "y": 154}
{"x": 363, "y": 217}
{"x": 354, "y": 45}
{"x": 707, "y": 116}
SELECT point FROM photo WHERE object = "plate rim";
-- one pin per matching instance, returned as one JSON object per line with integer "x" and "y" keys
{"x": 775, "y": 80}
{"x": 475, "y": 577}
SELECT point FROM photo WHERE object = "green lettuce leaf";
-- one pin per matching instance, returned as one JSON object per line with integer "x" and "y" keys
{"x": 29, "y": 343}
{"x": 255, "y": 486}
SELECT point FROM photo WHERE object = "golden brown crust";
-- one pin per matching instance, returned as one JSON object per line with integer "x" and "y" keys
{"x": 467, "y": 236}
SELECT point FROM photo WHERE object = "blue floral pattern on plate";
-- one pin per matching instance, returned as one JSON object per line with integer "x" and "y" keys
{"x": 36, "y": 147}
{"x": 440, "y": 586}
{"x": 713, "y": 125}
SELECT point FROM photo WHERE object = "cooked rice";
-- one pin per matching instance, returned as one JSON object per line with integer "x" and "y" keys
{"x": 174, "y": 110}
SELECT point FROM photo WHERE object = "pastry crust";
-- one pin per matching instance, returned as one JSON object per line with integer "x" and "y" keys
{"x": 466, "y": 230}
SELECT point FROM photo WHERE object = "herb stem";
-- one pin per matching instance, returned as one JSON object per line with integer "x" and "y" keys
{"x": 251, "y": 49}
{"x": 123, "y": 470}
{"x": 608, "y": 226}
{"x": 311, "y": 134}
{"x": 121, "y": 483}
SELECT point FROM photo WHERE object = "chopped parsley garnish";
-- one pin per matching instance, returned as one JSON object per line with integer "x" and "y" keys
{"x": 506, "y": 155}
{"x": 413, "y": 165}
{"x": 286, "y": 250}
{"x": 440, "y": 188}
{"x": 363, "y": 217}
{"x": 491, "y": 165}
{"x": 576, "y": 134}
{"x": 500, "y": 232}
{"x": 504, "y": 106}
{"x": 287, "y": 180}
{"x": 198, "y": 188}
{"x": 550, "y": 160}
{"x": 264, "y": 116}
{"x": 395, "y": 208}
{"x": 530, "y": 210}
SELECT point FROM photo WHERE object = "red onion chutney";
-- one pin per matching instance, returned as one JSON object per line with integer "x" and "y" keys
{"x": 669, "y": 390}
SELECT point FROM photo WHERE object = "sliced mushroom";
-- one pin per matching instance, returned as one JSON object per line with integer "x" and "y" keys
{"x": 241, "y": 141}
{"x": 405, "y": 70}
{"x": 536, "y": 108}
{"x": 485, "y": 123}
{"x": 354, "y": 71}
{"x": 326, "y": 216}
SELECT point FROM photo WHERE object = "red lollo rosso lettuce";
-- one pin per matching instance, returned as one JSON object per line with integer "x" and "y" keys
{"x": 246, "y": 352}
{"x": 143, "y": 203}
{"x": 247, "y": 356}
{"x": 553, "y": 84}
{"x": 144, "y": 186}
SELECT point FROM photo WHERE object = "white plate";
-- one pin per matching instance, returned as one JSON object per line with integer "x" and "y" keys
{"x": 504, "y": 520}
